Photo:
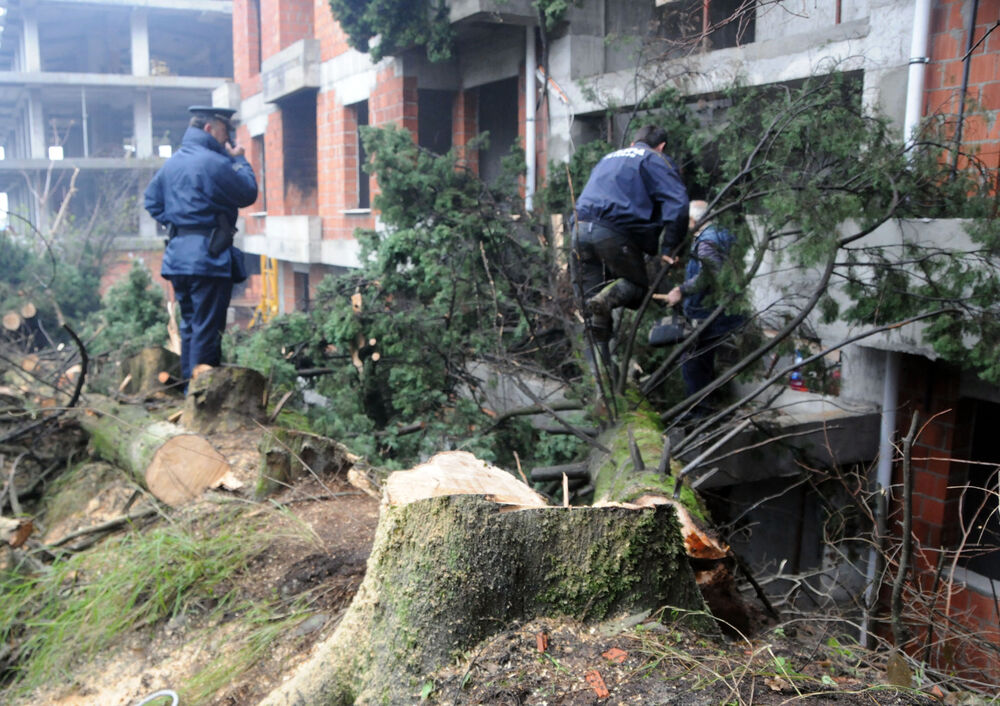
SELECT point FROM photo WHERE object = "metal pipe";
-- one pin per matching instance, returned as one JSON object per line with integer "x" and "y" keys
{"x": 918, "y": 69}
{"x": 967, "y": 60}
{"x": 883, "y": 474}
{"x": 530, "y": 63}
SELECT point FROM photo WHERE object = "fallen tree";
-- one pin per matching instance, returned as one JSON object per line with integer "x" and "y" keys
{"x": 462, "y": 550}
{"x": 173, "y": 464}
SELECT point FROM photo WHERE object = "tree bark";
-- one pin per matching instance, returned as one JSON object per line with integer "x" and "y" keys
{"x": 286, "y": 455}
{"x": 448, "y": 571}
{"x": 174, "y": 465}
{"x": 616, "y": 479}
{"x": 145, "y": 368}
{"x": 225, "y": 399}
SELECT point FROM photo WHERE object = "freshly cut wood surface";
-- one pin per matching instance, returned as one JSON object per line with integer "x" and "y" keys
{"x": 183, "y": 468}
{"x": 12, "y": 321}
{"x": 459, "y": 473}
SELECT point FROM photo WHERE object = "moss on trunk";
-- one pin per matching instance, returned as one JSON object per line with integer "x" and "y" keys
{"x": 447, "y": 572}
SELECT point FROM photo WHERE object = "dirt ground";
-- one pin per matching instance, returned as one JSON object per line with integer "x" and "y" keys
{"x": 644, "y": 664}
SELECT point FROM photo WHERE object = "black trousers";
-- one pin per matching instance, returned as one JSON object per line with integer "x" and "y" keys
{"x": 603, "y": 255}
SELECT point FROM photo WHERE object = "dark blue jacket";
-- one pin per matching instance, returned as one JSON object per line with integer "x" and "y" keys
{"x": 198, "y": 182}
{"x": 710, "y": 249}
{"x": 637, "y": 191}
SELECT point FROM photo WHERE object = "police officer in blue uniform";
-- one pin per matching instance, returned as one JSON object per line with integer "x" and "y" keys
{"x": 197, "y": 195}
{"x": 631, "y": 196}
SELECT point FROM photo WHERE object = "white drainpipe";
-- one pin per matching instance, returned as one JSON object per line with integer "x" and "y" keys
{"x": 883, "y": 474}
{"x": 530, "y": 64}
{"x": 918, "y": 67}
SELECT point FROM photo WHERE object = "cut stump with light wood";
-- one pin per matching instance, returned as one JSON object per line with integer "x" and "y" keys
{"x": 225, "y": 399}
{"x": 461, "y": 550}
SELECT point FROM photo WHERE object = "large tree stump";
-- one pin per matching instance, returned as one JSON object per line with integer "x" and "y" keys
{"x": 225, "y": 399}
{"x": 446, "y": 572}
{"x": 174, "y": 465}
{"x": 287, "y": 455}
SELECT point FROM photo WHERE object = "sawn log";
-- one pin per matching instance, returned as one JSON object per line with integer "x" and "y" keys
{"x": 174, "y": 465}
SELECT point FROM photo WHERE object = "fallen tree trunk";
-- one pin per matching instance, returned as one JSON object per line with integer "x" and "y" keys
{"x": 449, "y": 568}
{"x": 174, "y": 465}
{"x": 625, "y": 475}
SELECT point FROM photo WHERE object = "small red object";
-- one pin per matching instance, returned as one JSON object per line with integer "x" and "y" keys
{"x": 615, "y": 655}
{"x": 596, "y": 682}
{"x": 542, "y": 641}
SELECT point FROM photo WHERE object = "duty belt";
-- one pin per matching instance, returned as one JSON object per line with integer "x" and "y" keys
{"x": 204, "y": 231}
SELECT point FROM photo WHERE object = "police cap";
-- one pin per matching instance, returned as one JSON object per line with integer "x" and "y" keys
{"x": 224, "y": 115}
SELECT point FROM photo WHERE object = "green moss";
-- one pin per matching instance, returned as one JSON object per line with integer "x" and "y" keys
{"x": 615, "y": 476}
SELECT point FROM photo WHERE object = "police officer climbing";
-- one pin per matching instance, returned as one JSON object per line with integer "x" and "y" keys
{"x": 632, "y": 195}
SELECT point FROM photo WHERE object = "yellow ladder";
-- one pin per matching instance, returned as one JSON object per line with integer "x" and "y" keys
{"x": 267, "y": 309}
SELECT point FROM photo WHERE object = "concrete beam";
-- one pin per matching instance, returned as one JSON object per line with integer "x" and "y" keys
{"x": 220, "y": 6}
{"x": 142, "y": 116}
{"x": 41, "y": 164}
{"x": 62, "y": 79}
{"x": 31, "y": 53}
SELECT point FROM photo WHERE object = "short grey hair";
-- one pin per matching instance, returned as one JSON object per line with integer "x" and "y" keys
{"x": 697, "y": 210}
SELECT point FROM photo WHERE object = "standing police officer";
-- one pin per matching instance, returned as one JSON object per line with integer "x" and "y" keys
{"x": 632, "y": 195}
{"x": 197, "y": 194}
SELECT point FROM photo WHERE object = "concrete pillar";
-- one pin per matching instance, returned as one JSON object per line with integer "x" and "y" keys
{"x": 147, "y": 226}
{"x": 37, "y": 148}
{"x": 142, "y": 114}
{"x": 32, "y": 56}
{"x": 140, "y": 41}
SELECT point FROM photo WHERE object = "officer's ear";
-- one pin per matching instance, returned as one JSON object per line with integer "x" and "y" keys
{"x": 660, "y": 147}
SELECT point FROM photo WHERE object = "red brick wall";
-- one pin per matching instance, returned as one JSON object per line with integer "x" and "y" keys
{"x": 949, "y": 38}
{"x": 932, "y": 389}
{"x": 285, "y": 22}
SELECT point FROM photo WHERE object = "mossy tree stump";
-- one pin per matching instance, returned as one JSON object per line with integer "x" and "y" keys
{"x": 446, "y": 572}
{"x": 145, "y": 368}
{"x": 225, "y": 399}
{"x": 616, "y": 479}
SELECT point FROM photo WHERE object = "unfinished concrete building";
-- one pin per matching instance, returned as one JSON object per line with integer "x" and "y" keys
{"x": 101, "y": 86}
{"x": 303, "y": 92}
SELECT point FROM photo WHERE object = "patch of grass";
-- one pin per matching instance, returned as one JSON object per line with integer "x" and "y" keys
{"x": 84, "y": 603}
{"x": 261, "y": 626}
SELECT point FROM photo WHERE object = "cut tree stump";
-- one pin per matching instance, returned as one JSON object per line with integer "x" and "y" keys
{"x": 145, "y": 368}
{"x": 225, "y": 399}
{"x": 286, "y": 455}
{"x": 450, "y": 570}
{"x": 174, "y": 465}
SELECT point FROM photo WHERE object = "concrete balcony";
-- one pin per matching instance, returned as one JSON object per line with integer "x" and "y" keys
{"x": 294, "y": 69}
{"x": 289, "y": 238}
{"x": 516, "y": 12}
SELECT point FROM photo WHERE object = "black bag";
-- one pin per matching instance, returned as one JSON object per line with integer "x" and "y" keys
{"x": 668, "y": 331}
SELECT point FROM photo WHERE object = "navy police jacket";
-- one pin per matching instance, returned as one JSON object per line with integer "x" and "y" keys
{"x": 198, "y": 182}
{"x": 638, "y": 191}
